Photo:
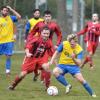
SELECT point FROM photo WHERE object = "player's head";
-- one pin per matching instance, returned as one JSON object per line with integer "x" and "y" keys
{"x": 4, "y": 11}
{"x": 36, "y": 13}
{"x": 95, "y": 17}
{"x": 45, "y": 33}
{"x": 47, "y": 16}
{"x": 73, "y": 39}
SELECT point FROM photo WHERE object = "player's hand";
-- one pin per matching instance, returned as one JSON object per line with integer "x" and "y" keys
{"x": 15, "y": 37}
{"x": 28, "y": 54}
{"x": 9, "y": 7}
{"x": 73, "y": 55}
{"x": 55, "y": 47}
{"x": 25, "y": 41}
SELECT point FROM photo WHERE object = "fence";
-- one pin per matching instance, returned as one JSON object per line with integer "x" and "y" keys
{"x": 19, "y": 43}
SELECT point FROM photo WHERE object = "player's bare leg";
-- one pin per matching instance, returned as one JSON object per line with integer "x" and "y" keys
{"x": 17, "y": 80}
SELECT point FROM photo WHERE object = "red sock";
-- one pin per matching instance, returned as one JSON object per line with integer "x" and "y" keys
{"x": 36, "y": 71}
{"x": 88, "y": 59}
{"x": 47, "y": 78}
{"x": 42, "y": 75}
{"x": 16, "y": 81}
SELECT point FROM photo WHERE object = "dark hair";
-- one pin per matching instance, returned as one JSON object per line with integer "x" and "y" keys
{"x": 47, "y": 12}
{"x": 36, "y": 10}
{"x": 4, "y": 7}
{"x": 45, "y": 28}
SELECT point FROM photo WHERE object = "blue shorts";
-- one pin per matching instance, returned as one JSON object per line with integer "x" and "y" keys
{"x": 72, "y": 69}
{"x": 6, "y": 48}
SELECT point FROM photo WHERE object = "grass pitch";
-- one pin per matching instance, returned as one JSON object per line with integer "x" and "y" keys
{"x": 29, "y": 90}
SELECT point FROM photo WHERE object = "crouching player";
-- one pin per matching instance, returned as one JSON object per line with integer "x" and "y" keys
{"x": 69, "y": 62}
{"x": 35, "y": 55}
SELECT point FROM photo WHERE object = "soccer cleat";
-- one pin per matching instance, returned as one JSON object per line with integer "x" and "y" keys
{"x": 35, "y": 77}
{"x": 68, "y": 87}
{"x": 94, "y": 95}
{"x": 42, "y": 82}
{"x": 10, "y": 87}
{"x": 91, "y": 65}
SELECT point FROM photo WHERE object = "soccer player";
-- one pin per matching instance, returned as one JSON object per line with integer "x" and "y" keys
{"x": 7, "y": 35}
{"x": 92, "y": 30}
{"x": 69, "y": 62}
{"x": 28, "y": 27}
{"x": 35, "y": 55}
{"x": 55, "y": 29}
{"x": 51, "y": 24}
{"x": 32, "y": 22}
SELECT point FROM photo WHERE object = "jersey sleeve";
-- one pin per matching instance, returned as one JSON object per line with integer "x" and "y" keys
{"x": 83, "y": 31}
{"x": 58, "y": 33}
{"x": 80, "y": 55}
{"x": 27, "y": 28}
{"x": 14, "y": 18}
{"x": 50, "y": 49}
{"x": 97, "y": 30}
{"x": 30, "y": 44}
{"x": 60, "y": 48}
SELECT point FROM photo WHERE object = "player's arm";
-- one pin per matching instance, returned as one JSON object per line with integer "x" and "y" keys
{"x": 28, "y": 54}
{"x": 14, "y": 12}
{"x": 27, "y": 28}
{"x": 97, "y": 31}
{"x": 56, "y": 53}
{"x": 14, "y": 19}
{"x": 78, "y": 60}
{"x": 83, "y": 31}
{"x": 28, "y": 47}
{"x": 58, "y": 34}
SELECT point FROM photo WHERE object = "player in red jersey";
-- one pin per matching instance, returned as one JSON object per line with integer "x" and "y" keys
{"x": 54, "y": 29}
{"x": 51, "y": 24}
{"x": 92, "y": 30}
{"x": 35, "y": 55}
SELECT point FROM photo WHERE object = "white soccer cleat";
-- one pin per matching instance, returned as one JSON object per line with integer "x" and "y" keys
{"x": 68, "y": 87}
{"x": 10, "y": 87}
{"x": 94, "y": 95}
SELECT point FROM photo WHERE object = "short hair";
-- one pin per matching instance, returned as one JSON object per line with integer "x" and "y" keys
{"x": 47, "y": 12}
{"x": 95, "y": 14}
{"x": 45, "y": 28}
{"x": 4, "y": 7}
{"x": 36, "y": 10}
{"x": 72, "y": 37}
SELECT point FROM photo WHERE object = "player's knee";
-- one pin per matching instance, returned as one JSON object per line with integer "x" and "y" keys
{"x": 81, "y": 80}
{"x": 23, "y": 74}
{"x": 56, "y": 72}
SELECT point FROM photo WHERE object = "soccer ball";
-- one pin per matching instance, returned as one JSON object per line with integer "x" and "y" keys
{"x": 52, "y": 91}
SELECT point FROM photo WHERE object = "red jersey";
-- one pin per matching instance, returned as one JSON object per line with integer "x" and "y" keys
{"x": 53, "y": 27}
{"x": 38, "y": 47}
{"x": 93, "y": 32}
